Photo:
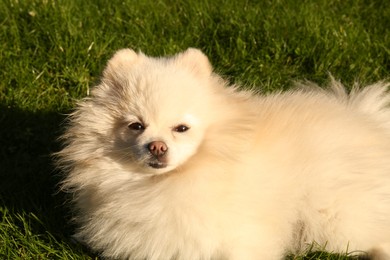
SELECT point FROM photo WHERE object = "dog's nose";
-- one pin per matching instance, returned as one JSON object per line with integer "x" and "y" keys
{"x": 157, "y": 148}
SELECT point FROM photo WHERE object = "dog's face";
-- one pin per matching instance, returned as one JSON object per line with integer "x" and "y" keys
{"x": 161, "y": 106}
{"x": 160, "y": 143}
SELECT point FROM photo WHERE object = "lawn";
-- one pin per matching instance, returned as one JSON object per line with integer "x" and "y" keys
{"x": 52, "y": 52}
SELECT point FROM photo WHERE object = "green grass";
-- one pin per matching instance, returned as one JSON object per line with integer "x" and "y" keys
{"x": 52, "y": 52}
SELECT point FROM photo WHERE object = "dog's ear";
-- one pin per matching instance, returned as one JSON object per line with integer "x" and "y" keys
{"x": 196, "y": 61}
{"x": 121, "y": 61}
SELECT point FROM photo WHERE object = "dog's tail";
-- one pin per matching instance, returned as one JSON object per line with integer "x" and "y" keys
{"x": 373, "y": 100}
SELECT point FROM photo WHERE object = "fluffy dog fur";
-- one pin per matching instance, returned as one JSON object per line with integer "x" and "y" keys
{"x": 165, "y": 161}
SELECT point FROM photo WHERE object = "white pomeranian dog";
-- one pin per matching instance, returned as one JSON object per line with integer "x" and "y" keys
{"x": 166, "y": 161}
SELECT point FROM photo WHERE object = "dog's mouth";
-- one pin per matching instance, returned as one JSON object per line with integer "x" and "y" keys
{"x": 157, "y": 165}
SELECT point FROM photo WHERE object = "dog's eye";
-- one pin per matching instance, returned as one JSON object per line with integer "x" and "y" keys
{"x": 181, "y": 128}
{"x": 136, "y": 126}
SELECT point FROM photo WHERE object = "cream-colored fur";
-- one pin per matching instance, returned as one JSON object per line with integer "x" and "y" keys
{"x": 249, "y": 177}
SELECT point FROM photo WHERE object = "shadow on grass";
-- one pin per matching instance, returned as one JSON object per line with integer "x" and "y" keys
{"x": 28, "y": 179}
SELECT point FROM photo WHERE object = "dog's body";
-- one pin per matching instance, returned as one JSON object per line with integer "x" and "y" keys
{"x": 165, "y": 162}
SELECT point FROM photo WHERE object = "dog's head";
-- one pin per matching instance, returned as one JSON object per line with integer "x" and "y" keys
{"x": 161, "y": 107}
